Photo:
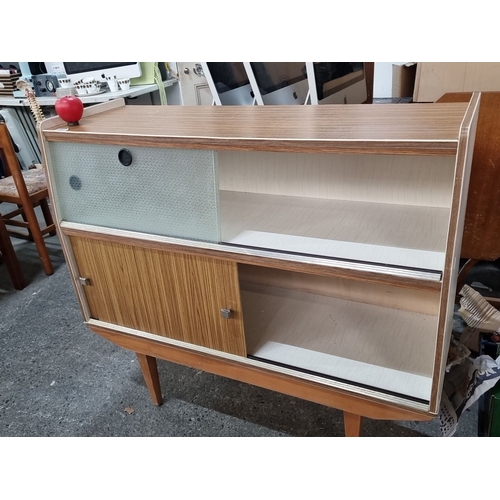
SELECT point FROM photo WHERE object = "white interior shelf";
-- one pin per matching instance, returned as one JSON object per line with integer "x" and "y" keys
{"x": 402, "y": 235}
{"x": 381, "y": 347}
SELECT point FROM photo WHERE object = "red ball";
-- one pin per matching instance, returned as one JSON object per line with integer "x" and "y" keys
{"x": 69, "y": 108}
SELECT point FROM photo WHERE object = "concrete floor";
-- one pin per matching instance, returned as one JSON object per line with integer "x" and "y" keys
{"x": 57, "y": 378}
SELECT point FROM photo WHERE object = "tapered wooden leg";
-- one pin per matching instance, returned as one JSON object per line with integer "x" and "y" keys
{"x": 352, "y": 424}
{"x": 150, "y": 374}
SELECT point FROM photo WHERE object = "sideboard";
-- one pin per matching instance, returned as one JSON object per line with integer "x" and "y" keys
{"x": 310, "y": 250}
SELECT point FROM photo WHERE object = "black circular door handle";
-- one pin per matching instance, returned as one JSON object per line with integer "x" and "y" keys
{"x": 125, "y": 157}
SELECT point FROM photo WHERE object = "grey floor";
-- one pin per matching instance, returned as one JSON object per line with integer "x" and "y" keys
{"x": 57, "y": 378}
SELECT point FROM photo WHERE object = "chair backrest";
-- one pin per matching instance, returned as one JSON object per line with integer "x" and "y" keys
{"x": 10, "y": 162}
{"x": 7, "y": 149}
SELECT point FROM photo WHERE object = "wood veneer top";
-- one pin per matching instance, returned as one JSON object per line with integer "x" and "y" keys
{"x": 381, "y": 128}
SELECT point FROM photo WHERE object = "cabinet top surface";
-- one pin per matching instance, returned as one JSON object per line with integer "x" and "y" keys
{"x": 328, "y": 127}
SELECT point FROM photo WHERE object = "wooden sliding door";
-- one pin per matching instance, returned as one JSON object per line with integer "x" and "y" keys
{"x": 169, "y": 294}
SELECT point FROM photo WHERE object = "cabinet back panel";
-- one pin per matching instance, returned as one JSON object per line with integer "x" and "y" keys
{"x": 405, "y": 180}
{"x": 171, "y": 192}
{"x": 406, "y": 299}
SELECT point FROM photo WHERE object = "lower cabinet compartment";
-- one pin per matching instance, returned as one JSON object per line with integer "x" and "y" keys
{"x": 164, "y": 293}
{"x": 367, "y": 334}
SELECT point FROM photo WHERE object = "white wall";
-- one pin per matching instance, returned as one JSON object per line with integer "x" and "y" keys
{"x": 382, "y": 79}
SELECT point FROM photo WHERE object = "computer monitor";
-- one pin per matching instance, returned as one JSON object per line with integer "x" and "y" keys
{"x": 228, "y": 82}
{"x": 80, "y": 70}
{"x": 278, "y": 82}
{"x": 337, "y": 82}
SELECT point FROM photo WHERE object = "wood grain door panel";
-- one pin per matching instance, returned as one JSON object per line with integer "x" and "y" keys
{"x": 164, "y": 293}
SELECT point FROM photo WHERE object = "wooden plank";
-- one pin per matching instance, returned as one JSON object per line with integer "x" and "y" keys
{"x": 305, "y": 264}
{"x": 360, "y": 403}
{"x": 453, "y": 245}
{"x": 382, "y": 129}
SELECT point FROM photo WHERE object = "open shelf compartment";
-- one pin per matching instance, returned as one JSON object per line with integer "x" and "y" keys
{"x": 376, "y": 209}
{"x": 404, "y": 236}
{"x": 325, "y": 326}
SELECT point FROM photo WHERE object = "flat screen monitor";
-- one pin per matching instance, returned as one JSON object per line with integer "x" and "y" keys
{"x": 337, "y": 82}
{"x": 278, "y": 82}
{"x": 98, "y": 70}
{"x": 228, "y": 82}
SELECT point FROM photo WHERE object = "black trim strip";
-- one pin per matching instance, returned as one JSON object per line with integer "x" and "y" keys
{"x": 338, "y": 259}
{"x": 338, "y": 379}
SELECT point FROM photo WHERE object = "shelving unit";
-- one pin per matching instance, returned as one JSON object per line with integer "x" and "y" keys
{"x": 308, "y": 250}
{"x": 133, "y": 91}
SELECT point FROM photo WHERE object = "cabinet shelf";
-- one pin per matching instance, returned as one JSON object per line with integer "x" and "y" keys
{"x": 381, "y": 347}
{"x": 403, "y": 235}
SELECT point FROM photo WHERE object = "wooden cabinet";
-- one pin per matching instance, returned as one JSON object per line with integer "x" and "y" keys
{"x": 309, "y": 250}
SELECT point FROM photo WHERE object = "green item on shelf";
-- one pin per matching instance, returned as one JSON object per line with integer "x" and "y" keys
{"x": 148, "y": 74}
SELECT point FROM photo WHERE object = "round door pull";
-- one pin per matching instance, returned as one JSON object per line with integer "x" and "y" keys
{"x": 125, "y": 157}
{"x": 75, "y": 182}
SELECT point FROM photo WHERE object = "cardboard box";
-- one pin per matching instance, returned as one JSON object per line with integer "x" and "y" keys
{"x": 403, "y": 79}
{"x": 433, "y": 80}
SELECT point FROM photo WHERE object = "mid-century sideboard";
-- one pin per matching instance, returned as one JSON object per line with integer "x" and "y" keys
{"x": 310, "y": 250}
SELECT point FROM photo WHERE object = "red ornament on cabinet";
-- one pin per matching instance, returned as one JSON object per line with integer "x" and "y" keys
{"x": 70, "y": 109}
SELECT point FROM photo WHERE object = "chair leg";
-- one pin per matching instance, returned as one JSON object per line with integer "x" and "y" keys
{"x": 47, "y": 215}
{"x": 38, "y": 239}
{"x": 25, "y": 219}
{"x": 9, "y": 256}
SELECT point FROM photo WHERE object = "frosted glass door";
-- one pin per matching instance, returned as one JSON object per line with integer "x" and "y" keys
{"x": 170, "y": 192}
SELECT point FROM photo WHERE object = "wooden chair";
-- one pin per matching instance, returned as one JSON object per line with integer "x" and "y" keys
{"x": 27, "y": 190}
{"x": 9, "y": 257}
